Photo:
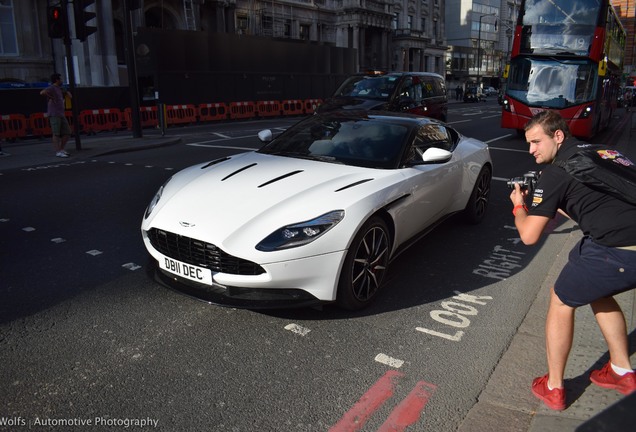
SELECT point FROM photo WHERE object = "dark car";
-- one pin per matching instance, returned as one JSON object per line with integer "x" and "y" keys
{"x": 419, "y": 93}
{"x": 474, "y": 94}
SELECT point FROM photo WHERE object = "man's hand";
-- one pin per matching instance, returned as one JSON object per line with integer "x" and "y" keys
{"x": 517, "y": 196}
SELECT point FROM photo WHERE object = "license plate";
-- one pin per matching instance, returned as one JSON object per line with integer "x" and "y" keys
{"x": 187, "y": 271}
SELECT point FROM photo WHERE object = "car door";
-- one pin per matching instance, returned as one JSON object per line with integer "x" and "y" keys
{"x": 432, "y": 187}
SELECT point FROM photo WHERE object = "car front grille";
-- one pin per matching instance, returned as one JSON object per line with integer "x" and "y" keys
{"x": 200, "y": 253}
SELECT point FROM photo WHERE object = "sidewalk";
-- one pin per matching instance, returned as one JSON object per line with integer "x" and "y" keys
{"x": 34, "y": 151}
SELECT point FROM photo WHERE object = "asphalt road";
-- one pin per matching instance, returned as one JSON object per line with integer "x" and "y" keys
{"x": 86, "y": 339}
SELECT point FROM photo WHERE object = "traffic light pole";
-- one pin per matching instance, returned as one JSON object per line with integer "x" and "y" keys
{"x": 70, "y": 67}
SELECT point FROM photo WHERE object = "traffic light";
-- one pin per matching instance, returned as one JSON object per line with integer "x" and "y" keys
{"x": 82, "y": 30}
{"x": 57, "y": 22}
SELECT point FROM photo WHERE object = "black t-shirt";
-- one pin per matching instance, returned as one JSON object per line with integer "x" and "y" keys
{"x": 608, "y": 220}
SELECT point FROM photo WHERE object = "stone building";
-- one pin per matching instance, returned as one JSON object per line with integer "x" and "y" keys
{"x": 392, "y": 35}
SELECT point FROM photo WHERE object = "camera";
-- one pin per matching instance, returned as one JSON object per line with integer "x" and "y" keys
{"x": 526, "y": 182}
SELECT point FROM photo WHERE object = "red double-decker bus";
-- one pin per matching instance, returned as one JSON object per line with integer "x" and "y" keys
{"x": 566, "y": 56}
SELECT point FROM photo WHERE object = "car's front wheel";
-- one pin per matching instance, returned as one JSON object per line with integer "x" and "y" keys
{"x": 365, "y": 266}
{"x": 479, "y": 198}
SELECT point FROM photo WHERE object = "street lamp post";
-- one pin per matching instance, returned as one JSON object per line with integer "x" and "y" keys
{"x": 479, "y": 48}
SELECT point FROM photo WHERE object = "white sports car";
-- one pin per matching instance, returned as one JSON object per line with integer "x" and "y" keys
{"x": 315, "y": 215}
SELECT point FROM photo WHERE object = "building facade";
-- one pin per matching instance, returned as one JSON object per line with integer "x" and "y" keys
{"x": 401, "y": 35}
{"x": 625, "y": 10}
{"x": 479, "y": 34}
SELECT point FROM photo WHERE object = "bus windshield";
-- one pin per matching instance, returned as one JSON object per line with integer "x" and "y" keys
{"x": 559, "y": 26}
{"x": 551, "y": 83}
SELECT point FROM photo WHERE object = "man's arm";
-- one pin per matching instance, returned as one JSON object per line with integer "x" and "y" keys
{"x": 530, "y": 227}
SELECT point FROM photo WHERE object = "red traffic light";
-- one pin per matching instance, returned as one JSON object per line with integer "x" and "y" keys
{"x": 57, "y": 22}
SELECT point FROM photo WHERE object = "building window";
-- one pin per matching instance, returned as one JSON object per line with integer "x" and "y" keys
{"x": 410, "y": 23}
{"x": 423, "y": 25}
{"x": 287, "y": 28}
{"x": 8, "y": 41}
{"x": 394, "y": 23}
{"x": 305, "y": 31}
{"x": 242, "y": 24}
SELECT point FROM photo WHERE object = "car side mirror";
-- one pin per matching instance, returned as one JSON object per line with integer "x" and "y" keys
{"x": 265, "y": 135}
{"x": 436, "y": 155}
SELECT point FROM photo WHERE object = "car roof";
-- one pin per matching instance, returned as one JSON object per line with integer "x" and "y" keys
{"x": 398, "y": 74}
{"x": 406, "y": 119}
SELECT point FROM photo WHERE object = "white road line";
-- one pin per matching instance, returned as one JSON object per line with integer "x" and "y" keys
{"x": 220, "y": 146}
{"x": 508, "y": 149}
{"x": 221, "y": 135}
{"x": 498, "y": 138}
{"x": 389, "y": 361}
{"x": 295, "y": 328}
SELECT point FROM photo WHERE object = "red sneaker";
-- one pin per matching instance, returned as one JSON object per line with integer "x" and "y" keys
{"x": 607, "y": 378}
{"x": 554, "y": 399}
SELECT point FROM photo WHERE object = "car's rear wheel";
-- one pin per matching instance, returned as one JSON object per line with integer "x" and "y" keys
{"x": 475, "y": 210}
{"x": 365, "y": 266}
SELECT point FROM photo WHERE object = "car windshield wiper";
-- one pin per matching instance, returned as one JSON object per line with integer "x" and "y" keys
{"x": 316, "y": 157}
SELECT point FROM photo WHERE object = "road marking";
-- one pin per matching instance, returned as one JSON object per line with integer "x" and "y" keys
{"x": 28, "y": 229}
{"x": 221, "y": 135}
{"x": 374, "y": 398}
{"x": 405, "y": 414}
{"x": 58, "y": 240}
{"x": 508, "y": 149}
{"x": 131, "y": 266}
{"x": 409, "y": 410}
{"x": 389, "y": 361}
{"x": 295, "y": 328}
{"x": 202, "y": 144}
{"x": 94, "y": 252}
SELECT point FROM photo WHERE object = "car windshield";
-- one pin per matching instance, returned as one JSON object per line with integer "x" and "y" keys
{"x": 552, "y": 83}
{"x": 363, "y": 142}
{"x": 369, "y": 87}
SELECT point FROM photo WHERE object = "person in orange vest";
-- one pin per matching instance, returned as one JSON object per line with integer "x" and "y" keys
{"x": 60, "y": 129}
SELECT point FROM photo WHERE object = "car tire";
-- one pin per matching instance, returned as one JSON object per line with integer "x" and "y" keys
{"x": 475, "y": 210}
{"x": 365, "y": 266}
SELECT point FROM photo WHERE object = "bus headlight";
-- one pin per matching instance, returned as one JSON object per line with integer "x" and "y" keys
{"x": 586, "y": 112}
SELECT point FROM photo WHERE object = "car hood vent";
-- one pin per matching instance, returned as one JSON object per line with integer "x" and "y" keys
{"x": 353, "y": 184}
{"x": 214, "y": 162}
{"x": 238, "y": 171}
{"x": 284, "y": 176}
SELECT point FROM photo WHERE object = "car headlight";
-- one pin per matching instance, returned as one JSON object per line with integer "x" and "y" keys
{"x": 300, "y": 234}
{"x": 155, "y": 199}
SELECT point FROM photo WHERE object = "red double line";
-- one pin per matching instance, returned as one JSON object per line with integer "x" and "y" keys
{"x": 405, "y": 414}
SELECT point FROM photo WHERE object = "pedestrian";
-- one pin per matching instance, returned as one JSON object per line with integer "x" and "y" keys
{"x": 60, "y": 129}
{"x": 458, "y": 92}
{"x": 600, "y": 266}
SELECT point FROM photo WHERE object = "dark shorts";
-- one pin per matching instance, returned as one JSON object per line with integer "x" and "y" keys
{"x": 593, "y": 272}
{"x": 59, "y": 126}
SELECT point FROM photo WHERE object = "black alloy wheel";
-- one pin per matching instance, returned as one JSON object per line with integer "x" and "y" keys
{"x": 365, "y": 266}
{"x": 475, "y": 210}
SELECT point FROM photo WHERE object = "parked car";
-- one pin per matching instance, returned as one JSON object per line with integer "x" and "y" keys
{"x": 490, "y": 91}
{"x": 317, "y": 214}
{"x": 419, "y": 93}
{"x": 474, "y": 94}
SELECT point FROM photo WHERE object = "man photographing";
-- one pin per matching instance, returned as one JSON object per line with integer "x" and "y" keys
{"x": 600, "y": 266}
